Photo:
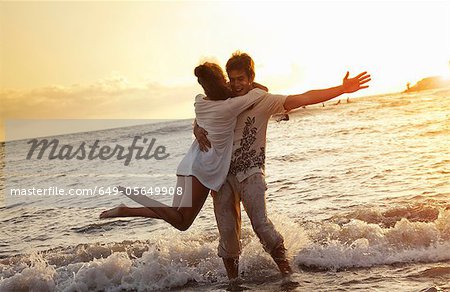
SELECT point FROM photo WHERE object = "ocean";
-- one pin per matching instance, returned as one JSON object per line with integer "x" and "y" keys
{"x": 360, "y": 190}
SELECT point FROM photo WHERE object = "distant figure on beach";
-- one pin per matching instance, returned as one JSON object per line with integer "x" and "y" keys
{"x": 339, "y": 101}
{"x": 348, "y": 99}
{"x": 281, "y": 117}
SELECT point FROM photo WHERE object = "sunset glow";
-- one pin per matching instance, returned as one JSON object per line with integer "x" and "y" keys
{"x": 58, "y": 56}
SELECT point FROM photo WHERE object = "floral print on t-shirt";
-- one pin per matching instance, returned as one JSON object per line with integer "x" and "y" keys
{"x": 245, "y": 157}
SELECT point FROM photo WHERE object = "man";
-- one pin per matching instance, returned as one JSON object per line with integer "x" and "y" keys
{"x": 245, "y": 181}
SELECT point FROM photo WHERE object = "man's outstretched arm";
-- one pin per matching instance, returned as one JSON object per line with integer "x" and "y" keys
{"x": 349, "y": 85}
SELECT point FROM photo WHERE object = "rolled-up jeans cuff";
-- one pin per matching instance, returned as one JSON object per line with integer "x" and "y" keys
{"x": 223, "y": 254}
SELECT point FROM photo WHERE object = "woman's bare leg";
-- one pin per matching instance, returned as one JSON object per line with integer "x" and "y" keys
{"x": 182, "y": 217}
{"x": 178, "y": 216}
{"x": 124, "y": 211}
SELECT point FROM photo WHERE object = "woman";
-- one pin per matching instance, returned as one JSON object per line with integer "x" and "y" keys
{"x": 199, "y": 172}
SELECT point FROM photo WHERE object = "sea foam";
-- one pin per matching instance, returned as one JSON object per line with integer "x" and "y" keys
{"x": 361, "y": 244}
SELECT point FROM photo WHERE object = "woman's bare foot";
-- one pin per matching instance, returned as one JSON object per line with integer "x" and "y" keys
{"x": 130, "y": 191}
{"x": 122, "y": 189}
{"x": 118, "y": 211}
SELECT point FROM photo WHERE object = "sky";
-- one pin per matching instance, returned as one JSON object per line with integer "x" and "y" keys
{"x": 122, "y": 60}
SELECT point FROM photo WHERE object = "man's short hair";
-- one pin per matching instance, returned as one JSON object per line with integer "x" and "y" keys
{"x": 241, "y": 61}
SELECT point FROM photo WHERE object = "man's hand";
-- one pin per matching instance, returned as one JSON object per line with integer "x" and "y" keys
{"x": 200, "y": 135}
{"x": 355, "y": 84}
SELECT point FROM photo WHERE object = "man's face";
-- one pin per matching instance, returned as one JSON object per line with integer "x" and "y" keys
{"x": 240, "y": 82}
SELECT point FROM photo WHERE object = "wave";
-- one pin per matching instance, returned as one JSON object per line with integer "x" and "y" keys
{"x": 388, "y": 239}
{"x": 122, "y": 266}
{"x": 173, "y": 259}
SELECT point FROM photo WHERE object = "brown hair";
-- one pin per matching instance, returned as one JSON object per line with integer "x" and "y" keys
{"x": 211, "y": 78}
{"x": 242, "y": 61}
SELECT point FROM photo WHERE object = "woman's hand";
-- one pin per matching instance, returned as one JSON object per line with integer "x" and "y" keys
{"x": 200, "y": 134}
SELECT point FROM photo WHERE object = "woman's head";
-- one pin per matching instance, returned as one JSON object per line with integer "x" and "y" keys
{"x": 211, "y": 78}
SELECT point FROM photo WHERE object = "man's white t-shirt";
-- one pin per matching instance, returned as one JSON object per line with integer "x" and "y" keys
{"x": 218, "y": 118}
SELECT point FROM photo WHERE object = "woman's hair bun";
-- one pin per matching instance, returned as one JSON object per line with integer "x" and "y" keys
{"x": 201, "y": 71}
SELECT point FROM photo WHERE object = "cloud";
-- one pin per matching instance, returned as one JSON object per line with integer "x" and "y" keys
{"x": 111, "y": 98}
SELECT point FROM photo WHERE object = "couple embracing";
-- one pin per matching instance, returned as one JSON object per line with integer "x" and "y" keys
{"x": 228, "y": 158}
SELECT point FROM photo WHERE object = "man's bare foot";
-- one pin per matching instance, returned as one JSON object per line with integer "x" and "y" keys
{"x": 114, "y": 212}
{"x": 236, "y": 285}
{"x": 280, "y": 258}
{"x": 288, "y": 283}
{"x": 284, "y": 267}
